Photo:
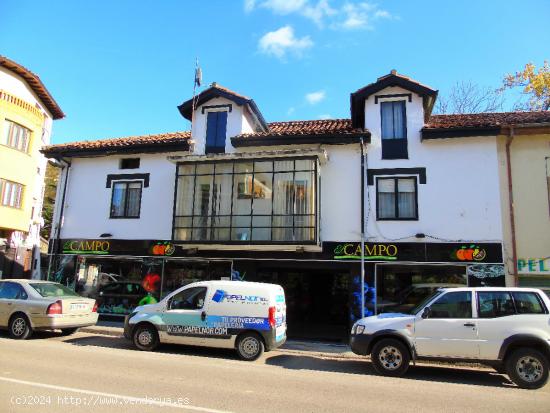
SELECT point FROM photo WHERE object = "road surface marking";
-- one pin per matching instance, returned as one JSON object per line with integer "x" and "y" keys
{"x": 142, "y": 400}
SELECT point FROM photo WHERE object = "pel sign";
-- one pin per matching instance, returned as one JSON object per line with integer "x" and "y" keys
{"x": 534, "y": 265}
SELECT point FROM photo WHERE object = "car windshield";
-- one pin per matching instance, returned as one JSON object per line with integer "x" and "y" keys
{"x": 53, "y": 290}
{"x": 418, "y": 307}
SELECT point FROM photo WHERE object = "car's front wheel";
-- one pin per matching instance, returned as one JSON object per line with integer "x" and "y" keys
{"x": 146, "y": 337}
{"x": 390, "y": 357}
{"x": 19, "y": 327}
{"x": 528, "y": 368}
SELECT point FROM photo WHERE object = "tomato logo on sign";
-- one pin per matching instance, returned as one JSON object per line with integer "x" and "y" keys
{"x": 471, "y": 253}
{"x": 163, "y": 248}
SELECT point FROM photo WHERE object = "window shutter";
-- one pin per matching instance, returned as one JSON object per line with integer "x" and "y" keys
{"x": 211, "y": 129}
{"x": 221, "y": 129}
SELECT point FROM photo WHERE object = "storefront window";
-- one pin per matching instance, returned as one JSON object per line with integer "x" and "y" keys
{"x": 178, "y": 273}
{"x": 246, "y": 201}
{"x": 402, "y": 287}
{"x": 120, "y": 285}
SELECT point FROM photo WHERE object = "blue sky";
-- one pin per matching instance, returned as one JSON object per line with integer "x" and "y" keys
{"x": 120, "y": 68}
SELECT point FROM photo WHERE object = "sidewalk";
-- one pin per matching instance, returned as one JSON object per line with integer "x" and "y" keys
{"x": 311, "y": 348}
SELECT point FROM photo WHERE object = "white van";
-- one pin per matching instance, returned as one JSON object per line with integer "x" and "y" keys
{"x": 246, "y": 316}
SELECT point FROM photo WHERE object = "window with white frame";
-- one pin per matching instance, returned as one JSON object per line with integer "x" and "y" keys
{"x": 126, "y": 199}
{"x": 16, "y": 136}
{"x": 396, "y": 198}
{"x": 247, "y": 201}
{"x": 11, "y": 194}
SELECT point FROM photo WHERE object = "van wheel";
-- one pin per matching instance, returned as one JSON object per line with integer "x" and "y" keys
{"x": 146, "y": 337}
{"x": 390, "y": 357}
{"x": 527, "y": 368}
{"x": 250, "y": 346}
{"x": 20, "y": 328}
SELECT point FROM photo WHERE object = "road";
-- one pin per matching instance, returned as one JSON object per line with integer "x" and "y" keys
{"x": 93, "y": 373}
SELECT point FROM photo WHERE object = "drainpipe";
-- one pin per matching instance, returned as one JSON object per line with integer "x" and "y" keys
{"x": 509, "y": 140}
{"x": 362, "y": 229}
{"x": 53, "y": 246}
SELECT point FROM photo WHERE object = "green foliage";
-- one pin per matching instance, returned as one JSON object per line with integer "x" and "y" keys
{"x": 50, "y": 188}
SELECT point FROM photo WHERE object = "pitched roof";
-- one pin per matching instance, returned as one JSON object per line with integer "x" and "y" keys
{"x": 216, "y": 90}
{"x": 36, "y": 85}
{"x": 473, "y": 120}
{"x": 302, "y": 132}
{"x": 393, "y": 78}
{"x": 131, "y": 144}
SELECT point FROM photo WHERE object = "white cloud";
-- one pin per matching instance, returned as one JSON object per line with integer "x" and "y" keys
{"x": 360, "y": 16}
{"x": 284, "y": 6}
{"x": 315, "y": 97}
{"x": 249, "y": 5}
{"x": 324, "y": 116}
{"x": 279, "y": 42}
{"x": 350, "y": 15}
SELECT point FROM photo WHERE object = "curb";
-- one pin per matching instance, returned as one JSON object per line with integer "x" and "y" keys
{"x": 343, "y": 353}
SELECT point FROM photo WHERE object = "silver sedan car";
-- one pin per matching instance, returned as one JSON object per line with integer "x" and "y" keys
{"x": 28, "y": 305}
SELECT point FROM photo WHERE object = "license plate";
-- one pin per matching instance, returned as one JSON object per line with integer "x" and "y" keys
{"x": 280, "y": 331}
{"x": 79, "y": 306}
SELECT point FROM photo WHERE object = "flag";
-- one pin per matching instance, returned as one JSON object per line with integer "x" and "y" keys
{"x": 198, "y": 76}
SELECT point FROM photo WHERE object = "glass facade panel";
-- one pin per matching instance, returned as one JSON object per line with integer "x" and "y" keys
{"x": 233, "y": 200}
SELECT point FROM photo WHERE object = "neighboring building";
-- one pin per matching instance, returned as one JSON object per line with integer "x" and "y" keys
{"x": 524, "y": 152}
{"x": 26, "y": 113}
{"x": 286, "y": 202}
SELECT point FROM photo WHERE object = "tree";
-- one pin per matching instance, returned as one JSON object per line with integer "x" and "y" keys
{"x": 50, "y": 188}
{"x": 468, "y": 97}
{"x": 535, "y": 84}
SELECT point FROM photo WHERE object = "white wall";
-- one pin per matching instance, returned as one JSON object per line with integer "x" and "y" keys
{"x": 87, "y": 202}
{"x": 460, "y": 200}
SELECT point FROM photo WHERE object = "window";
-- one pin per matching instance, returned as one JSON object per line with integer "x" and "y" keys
{"x": 129, "y": 163}
{"x": 528, "y": 303}
{"x": 247, "y": 201}
{"x": 189, "y": 299}
{"x": 495, "y": 304}
{"x": 396, "y": 199}
{"x": 12, "y": 291}
{"x": 126, "y": 200}
{"x": 16, "y": 136}
{"x": 11, "y": 194}
{"x": 394, "y": 130}
{"x": 453, "y": 305}
{"x": 216, "y": 127}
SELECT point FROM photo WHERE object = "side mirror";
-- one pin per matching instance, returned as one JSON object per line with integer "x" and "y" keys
{"x": 426, "y": 313}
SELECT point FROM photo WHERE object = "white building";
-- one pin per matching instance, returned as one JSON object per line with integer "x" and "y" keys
{"x": 285, "y": 202}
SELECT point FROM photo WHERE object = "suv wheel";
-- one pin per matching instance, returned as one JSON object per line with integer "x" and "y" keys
{"x": 19, "y": 327}
{"x": 390, "y": 357}
{"x": 250, "y": 346}
{"x": 146, "y": 337}
{"x": 528, "y": 368}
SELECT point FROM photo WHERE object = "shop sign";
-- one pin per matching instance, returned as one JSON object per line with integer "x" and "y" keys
{"x": 352, "y": 251}
{"x": 163, "y": 248}
{"x": 92, "y": 247}
{"x": 469, "y": 253}
{"x": 534, "y": 265}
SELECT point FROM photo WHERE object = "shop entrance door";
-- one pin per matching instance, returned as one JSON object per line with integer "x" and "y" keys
{"x": 317, "y": 301}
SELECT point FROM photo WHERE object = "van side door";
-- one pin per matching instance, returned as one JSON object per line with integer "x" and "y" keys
{"x": 183, "y": 319}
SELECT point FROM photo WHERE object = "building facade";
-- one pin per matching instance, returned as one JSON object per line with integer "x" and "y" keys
{"x": 286, "y": 202}
{"x": 524, "y": 153}
{"x": 27, "y": 111}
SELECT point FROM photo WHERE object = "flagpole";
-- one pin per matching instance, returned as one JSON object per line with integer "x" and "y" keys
{"x": 194, "y": 92}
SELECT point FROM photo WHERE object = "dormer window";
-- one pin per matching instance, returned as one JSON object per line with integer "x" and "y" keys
{"x": 216, "y": 129}
{"x": 394, "y": 130}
